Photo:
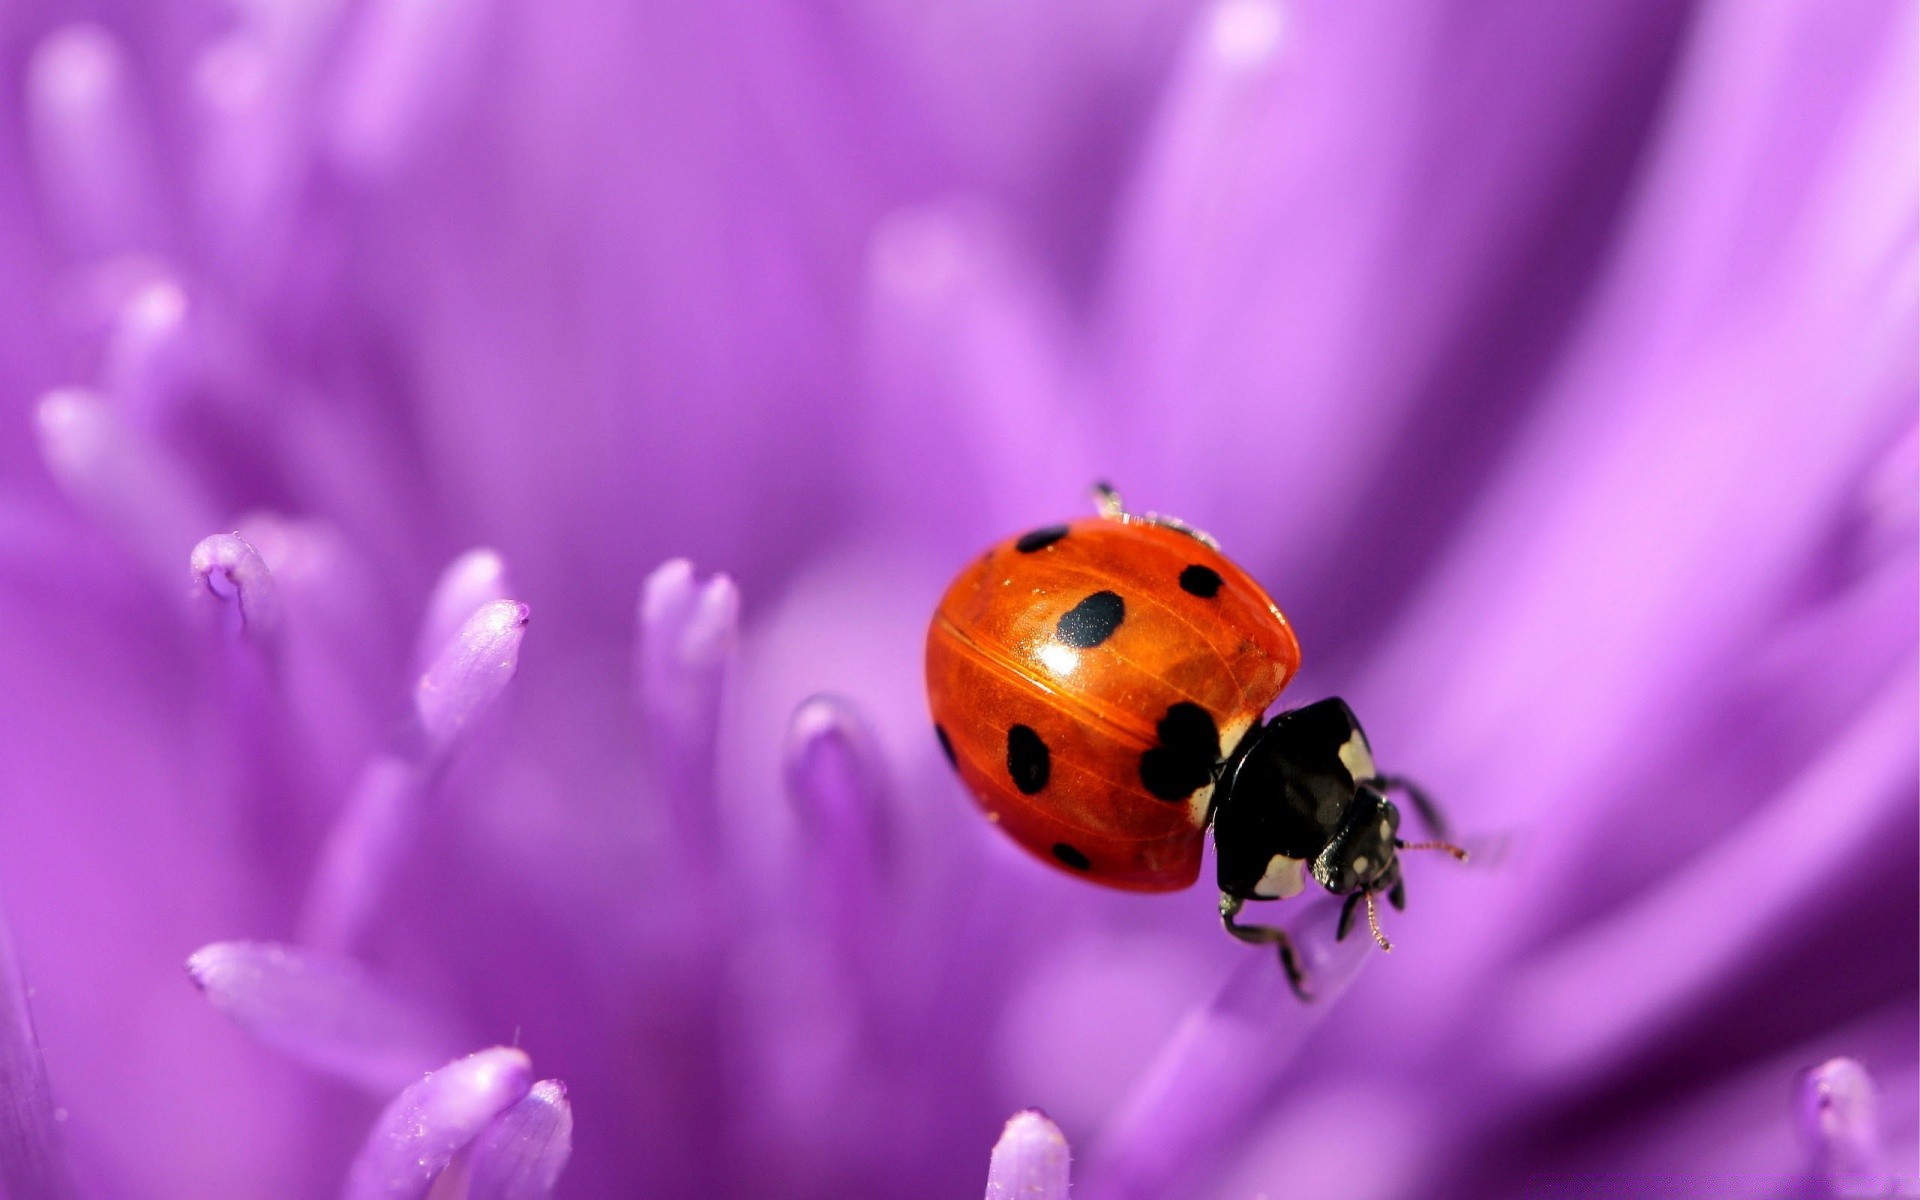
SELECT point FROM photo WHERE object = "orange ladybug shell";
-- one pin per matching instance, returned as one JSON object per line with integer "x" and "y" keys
{"x": 1086, "y": 678}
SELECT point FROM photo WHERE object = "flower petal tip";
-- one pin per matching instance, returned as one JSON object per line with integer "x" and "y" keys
{"x": 1031, "y": 1161}
{"x": 475, "y": 578}
{"x": 323, "y": 1010}
{"x": 521, "y": 1154}
{"x": 471, "y": 671}
{"x": 232, "y": 575}
{"x": 1839, "y": 1122}
{"x": 432, "y": 1120}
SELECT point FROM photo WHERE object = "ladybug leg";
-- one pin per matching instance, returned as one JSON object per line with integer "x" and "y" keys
{"x": 1430, "y": 815}
{"x": 1107, "y": 501}
{"x": 1346, "y": 916}
{"x": 1397, "y": 895}
{"x": 1266, "y": 935}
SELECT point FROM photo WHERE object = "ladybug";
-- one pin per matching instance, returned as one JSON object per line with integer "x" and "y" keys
{"x": 1100, "y": 687}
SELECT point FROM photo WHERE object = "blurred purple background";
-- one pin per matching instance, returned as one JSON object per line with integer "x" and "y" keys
{"x": 1554, "y": 366}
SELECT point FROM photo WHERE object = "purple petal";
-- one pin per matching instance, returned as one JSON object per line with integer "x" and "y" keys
{"x": 1030, "y": 1160}
{"x": 324, "y": 1010}
{"x": 475, "y": 578}
{"x": 89, "y": 144}
{"x": 427, "y": 1124}
{"x": 471, "y": 671}
{"x": 32, "y": 1164}
{"x": 521, "y": 1154}
{"x": 233, "y": 574}
{"x": 403, "y": 67}
{"x": 1210, "y": 1080}
{"x": 1840, "y": 1126}
{"x": 149, "y": 353}
{"x": 837, "y": 783}
{"x": 687, "y": 637}
{"x": 1799, "y": 843}
{"x": 127, "y": 483}
{"x": 360, "y": 855}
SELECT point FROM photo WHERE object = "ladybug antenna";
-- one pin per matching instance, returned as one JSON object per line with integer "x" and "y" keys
{"x": 1458, "y": 853}
{"x": 1373, "y": 923}
{"x": 1108, "y": 501}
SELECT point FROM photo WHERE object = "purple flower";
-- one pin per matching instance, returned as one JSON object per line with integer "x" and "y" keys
{"x": 1553, "y": 366}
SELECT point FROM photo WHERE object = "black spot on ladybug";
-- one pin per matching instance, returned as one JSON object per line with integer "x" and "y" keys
{"x": 1027, "y": 759}
{"x": 946, "y": 746}
{"x": 1073, "y": 858}
{"x": 1183, "y": 761}
{"x": 1040, "y": 539}
{"x": 1203, "y": 582}
{"x": 1093, "y": 620}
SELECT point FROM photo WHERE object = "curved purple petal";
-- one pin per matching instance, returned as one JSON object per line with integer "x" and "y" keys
{"x": 233, "y": 574}
{"x": 520, "y": 1155}
{"x": 370, "y": 839}
{"x": 324, "y": 1010}
{"x": 1209, "y": 1080}
{"x": 418, "y": 1134}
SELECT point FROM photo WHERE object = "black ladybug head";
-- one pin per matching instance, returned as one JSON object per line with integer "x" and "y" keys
{"x": 1360, "y": 857}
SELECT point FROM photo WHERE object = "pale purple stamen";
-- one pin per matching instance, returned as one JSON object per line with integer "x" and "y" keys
{"x": 232, "y": 575}
{"x": 1840, "y": 1127}
{"x": 1030, "y": 1161}
{"x": 324, "y": 1010}
{"x": 122, "y": 479}
{"x": 521, "y": 1154}
{"x": 1221, "y": 1064}
{"x": 418, "y": 1134}
{"x": 475, "y": 578}
{"x": 688, "y": 632}
{"x": 470, "y": 672}
{"x": 837, "y": 784}
{"x": 32, "y": 1163}
{"x": 362, "y": 851}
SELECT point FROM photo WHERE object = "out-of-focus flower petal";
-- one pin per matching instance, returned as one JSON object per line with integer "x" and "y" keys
{"x": 688, "y": 633}
{"x": 91, "y": 147}
{"x": 149, "y": 353}
{"x": 404, "y": 63}
{"x": 126, "y": 482}
{"x": 233, "y": 574}
{"x": 1030, "y": 1161}
{"x": 520, "y": 1155}
{"x": 324, "y": 1010}
{"x": 838, "y": 787}
{"x": 418, "y": 1134}
{"x": 32, "y": 1164}
{"x": 473, "y": 668}
{"x": 1840, "y": 1126}
{"x": 475, "y": 578}
{"x": 976, "y": 383}
{"x": 1210, "y": 1079}
{"x": 1678, "y": 938}
{"x": 361, "y": 852}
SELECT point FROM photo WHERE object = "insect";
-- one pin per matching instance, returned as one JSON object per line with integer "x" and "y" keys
{"x": 1100, "y": 686}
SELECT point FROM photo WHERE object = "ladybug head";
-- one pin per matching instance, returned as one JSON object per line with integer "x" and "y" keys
{"x": 1361, "y": 855}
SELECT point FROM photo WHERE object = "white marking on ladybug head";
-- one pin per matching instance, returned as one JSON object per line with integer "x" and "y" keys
{"x": 1357, "y": 757}
{"x": 1360, "y": 864}
{"x": 1386, "y": 830}
{"x": 1284, "y": 877}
